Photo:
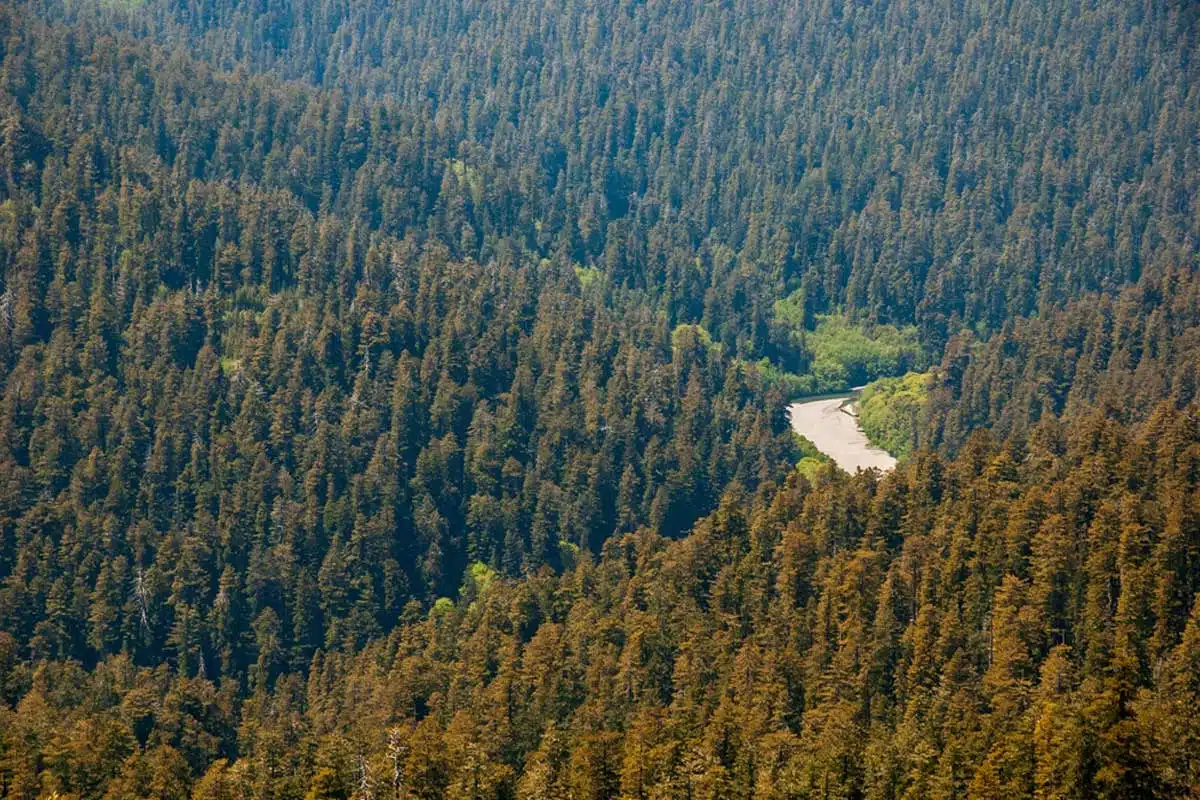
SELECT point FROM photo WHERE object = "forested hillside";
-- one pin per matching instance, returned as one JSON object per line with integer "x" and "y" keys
{"x": 213, "y": 391}
{"x": 1021, "y": 621}
{"x": 944, "y": 162}
{"x": 392, "y": 399}
{"x": 1123, "y": 353}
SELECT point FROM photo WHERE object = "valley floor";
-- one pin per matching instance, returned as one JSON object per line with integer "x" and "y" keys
{"x": 829, "y": 424}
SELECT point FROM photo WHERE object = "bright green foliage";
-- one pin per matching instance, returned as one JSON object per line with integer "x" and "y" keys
{"x": 812, "y": 460}
{"x": 588, "y": 276}
{"x": 684, "y": 336}
{"x": 480, "y": 578}
{"x": 847, "y": 355}
{"x": 468, "y": 177}
{"x": 789, "y": 384}
{"x": 890, "y": 411}
{"x": 791, "y": 311}
{"x": 842, "y": 355}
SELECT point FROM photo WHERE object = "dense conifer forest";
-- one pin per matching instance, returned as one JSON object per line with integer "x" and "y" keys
{"x": 392, "y": 399}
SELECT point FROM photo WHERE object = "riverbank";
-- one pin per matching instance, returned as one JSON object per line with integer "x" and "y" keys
{"x": 833, "y": 428}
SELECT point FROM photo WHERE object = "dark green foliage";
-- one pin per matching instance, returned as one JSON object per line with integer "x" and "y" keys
{"x": 237, "y": 429}
{"x": 1004, "y": 623}
{"x": 922, "y": 163}
{"x": 1123, "y": 353}
{"x": 391, "y": 399}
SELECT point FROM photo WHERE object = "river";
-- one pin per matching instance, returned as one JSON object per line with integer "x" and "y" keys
{"x": 830, "y": 424}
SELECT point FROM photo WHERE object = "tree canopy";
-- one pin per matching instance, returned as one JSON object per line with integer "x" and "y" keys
{"x": 392, "y": 399}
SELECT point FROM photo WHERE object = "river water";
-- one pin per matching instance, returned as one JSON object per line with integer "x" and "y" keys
{"x": 830, "y": 424}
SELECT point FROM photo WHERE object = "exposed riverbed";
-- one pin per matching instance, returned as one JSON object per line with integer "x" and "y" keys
{"x": 830, "y": 424}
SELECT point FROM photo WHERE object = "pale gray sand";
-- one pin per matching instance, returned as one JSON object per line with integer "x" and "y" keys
{"x": 835, "y": 432}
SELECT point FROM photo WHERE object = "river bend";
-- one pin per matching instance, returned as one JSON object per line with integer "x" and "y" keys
{"x": 830, "y": 424}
